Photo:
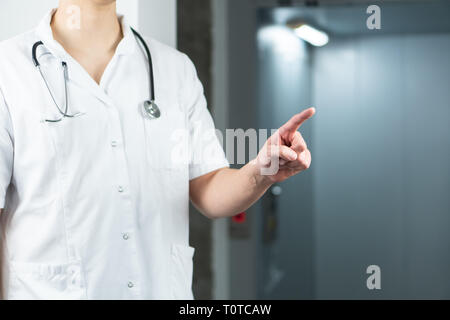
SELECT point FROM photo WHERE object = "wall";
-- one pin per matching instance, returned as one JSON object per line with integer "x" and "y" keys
{"x": 242, "y": 113}
{"x": 130, "y": 8}
{"x": 381, "y": 155}
{"x": 382, "y": 166}
{"x": 18, "y": 16}
{"x": 158, "y": 19}
{"x": 220, "y": 236}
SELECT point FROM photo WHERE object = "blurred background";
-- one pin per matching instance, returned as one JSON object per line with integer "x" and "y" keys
{"x": 378, "y": 192}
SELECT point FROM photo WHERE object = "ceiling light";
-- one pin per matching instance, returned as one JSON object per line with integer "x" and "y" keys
{"x": 311, "y": 35}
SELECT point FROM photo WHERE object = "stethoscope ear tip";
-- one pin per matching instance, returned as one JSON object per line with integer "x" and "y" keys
{"x": 76, "y": 115}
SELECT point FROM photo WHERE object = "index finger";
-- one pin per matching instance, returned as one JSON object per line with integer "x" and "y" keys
{"x": 296, "y": 121}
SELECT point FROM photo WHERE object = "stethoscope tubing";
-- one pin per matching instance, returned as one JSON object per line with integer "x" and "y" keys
{"x": 150, "y": 65}
{"x": 64, "y": 65}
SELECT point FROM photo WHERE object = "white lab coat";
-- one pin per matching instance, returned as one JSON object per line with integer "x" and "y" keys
{"x": 96, "y": 207}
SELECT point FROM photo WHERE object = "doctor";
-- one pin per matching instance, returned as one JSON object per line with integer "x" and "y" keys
{"x": 95, "y": 200}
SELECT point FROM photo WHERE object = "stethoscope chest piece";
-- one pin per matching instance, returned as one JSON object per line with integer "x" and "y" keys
{"x": 151, "y": 110}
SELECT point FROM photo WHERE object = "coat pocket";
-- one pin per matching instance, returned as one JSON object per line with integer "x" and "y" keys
{"x": 33, "y": 281}
{"x": 181, "y": 272}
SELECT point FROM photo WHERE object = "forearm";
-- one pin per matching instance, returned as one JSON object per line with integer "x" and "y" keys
{"x": 228, "y": 192}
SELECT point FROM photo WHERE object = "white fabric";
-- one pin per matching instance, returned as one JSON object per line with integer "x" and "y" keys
{"x": 97, "y": 205}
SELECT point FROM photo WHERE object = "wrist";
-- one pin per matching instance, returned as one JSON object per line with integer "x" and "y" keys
{"x": 259, "y": 180}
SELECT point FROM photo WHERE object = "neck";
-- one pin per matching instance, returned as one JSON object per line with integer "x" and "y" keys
{"x": 84, "y": 25}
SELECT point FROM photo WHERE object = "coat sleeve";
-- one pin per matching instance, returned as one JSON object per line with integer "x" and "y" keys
{"x": 206, "y": 151}
{"x": 6, "y": 149}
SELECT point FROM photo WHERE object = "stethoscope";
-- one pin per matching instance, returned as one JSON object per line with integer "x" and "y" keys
{"x": 149, "y": 107}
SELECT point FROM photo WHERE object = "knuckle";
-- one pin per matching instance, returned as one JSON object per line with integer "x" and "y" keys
{"x": 303, "y": 146}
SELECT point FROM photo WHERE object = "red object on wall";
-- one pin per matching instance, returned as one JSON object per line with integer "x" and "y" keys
{"x": 239, "y": 218}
